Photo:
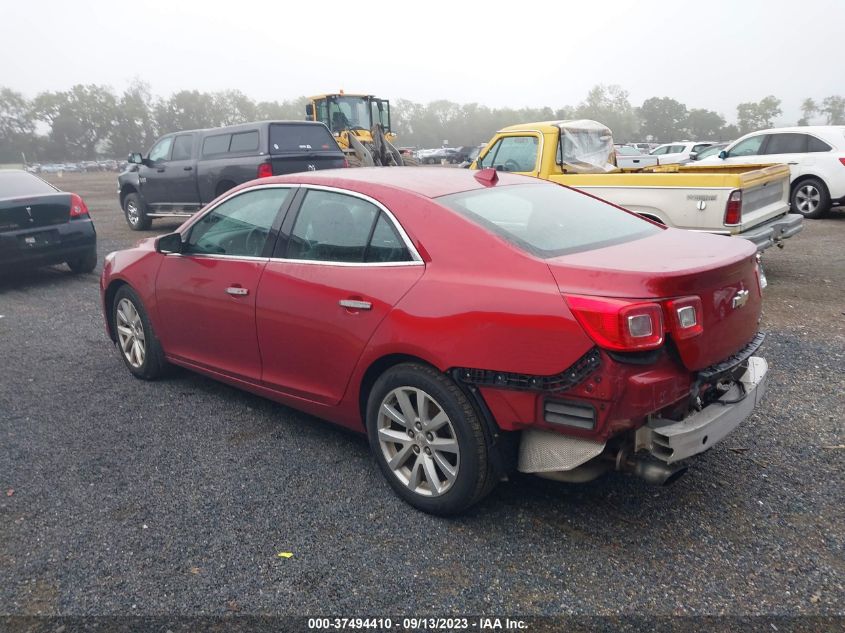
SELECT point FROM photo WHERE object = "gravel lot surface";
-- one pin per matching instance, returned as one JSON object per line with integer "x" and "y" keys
{"x": 119, "y": 496}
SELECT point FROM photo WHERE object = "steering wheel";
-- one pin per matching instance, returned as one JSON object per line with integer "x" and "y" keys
{"x": 512, "y": 165}
{"x": 254, "y": 242}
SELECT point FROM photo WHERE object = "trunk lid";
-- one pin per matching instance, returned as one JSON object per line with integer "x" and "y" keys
{"x": 674, "y": 263}
{"x": 765, "y": 197}
{"x": 34, "y": 212}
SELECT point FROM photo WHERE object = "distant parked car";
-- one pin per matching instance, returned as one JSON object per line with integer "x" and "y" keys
{"x": 628, "y": 157}
{"x": 670, "y": 153}
{"x": 816, "y": 159}
{"x": 40, "y": 225}
{"x": 713, "y": 150}
{"x": 89, "y": 165}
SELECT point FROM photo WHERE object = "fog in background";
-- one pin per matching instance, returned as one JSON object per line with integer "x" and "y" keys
{"x": 711, "y": 55}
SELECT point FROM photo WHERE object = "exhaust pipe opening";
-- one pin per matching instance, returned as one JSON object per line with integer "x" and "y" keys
{"x": 655, "y": 473}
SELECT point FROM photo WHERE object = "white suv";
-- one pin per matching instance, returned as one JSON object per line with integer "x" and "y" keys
{"x": 815, "y": 155}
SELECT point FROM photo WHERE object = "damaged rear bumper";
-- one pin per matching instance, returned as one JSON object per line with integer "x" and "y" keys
{"x": 672, "y": 442}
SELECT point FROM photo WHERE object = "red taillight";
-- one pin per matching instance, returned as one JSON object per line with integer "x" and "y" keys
{"x": 685, "y": 317}
{"x": 265, "y": 170}
{"x": 733, "y": 210}
{"x": 617, "y": 324}
{"x": 77, "y": 206}
{"x": 842, "y": 160}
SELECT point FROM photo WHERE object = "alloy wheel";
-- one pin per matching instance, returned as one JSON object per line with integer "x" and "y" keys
{"x": 418, "y": 441}
{"x": 130, "y": 333}
{"x": 132, "y": 213}
{"x": 808, "y": 199}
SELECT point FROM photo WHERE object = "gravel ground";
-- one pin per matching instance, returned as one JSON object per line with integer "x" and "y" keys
{"x": 124, "y": 497}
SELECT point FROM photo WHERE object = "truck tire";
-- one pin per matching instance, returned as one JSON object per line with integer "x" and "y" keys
{"x": 810, "y": 198}
{"x": 410, "y": 161}
{"x": 136, "y": 213}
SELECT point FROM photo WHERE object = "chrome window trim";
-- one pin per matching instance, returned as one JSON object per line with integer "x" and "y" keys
{"x": 416, "y": 259}
{"x": 201, "y": 213}
{"x": 243, "y": 258}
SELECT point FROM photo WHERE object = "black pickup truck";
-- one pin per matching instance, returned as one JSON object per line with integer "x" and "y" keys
{"x": 186, "y": 170}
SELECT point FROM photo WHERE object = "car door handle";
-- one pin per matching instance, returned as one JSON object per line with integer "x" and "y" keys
{"x": 188, "y": 168}
{"x": 355, "y": 304}
{"x": 237, "y": 291}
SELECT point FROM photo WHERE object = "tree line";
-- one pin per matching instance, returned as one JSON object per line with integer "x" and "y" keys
{"x": 92, "y": 120}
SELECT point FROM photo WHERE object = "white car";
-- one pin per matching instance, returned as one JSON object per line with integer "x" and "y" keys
{"x": 628, "y": 157}
{"x": 816, "y": 159}
{"x": 670, "y": 153}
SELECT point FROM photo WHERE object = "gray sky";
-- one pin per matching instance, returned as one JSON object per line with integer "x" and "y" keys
{"x": 709, "y": 53}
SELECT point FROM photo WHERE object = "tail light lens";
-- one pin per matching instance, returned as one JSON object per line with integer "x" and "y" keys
{"x": 733, "y": 210}
{"x": 842, "y": 160}
{"x": 685, "y": 317}
{"x": 619, "y": 325}
{"x": 78, "y": 209}
{"x": 265, "y": 170}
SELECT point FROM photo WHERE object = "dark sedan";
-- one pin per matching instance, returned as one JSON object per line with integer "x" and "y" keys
{"x": 41, "y": 225}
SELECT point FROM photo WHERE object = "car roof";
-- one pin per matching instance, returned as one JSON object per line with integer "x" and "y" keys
{"x": 431, "y": 182}
{"x": 243, "y": 126}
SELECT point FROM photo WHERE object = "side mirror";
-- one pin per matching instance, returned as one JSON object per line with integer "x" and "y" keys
{"x": 170, "y": 243}
{"x": 309, "y": 109}
{"x": 723, "y": 154}
{"x": 135, "y": 158}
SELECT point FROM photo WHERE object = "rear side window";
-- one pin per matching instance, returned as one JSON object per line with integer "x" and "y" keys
{"x": 244, "y": 142}
{"x": 15, "y": 184}
{"x": 218, "y": 144}
{"x": 817, "y": 145}
{"x": 301, "y": 137}
{"x": 786, "y": 144}
{"x": 332, "y": 227}
{"x": 385, "y": 244}
{"x": 548, "y": 220}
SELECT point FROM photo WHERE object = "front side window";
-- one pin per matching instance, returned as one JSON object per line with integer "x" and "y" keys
{"x": 548, "y": 220}
{"x": 748, "y": 147}
{"x": 240, "y": 226}
{"x": 512, "y": 153}
{"x": 182, "y": 147}
{"x": 161, "y": 150}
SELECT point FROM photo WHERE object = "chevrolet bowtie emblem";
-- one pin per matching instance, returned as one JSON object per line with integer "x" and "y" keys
{"x": 740, "y": 299}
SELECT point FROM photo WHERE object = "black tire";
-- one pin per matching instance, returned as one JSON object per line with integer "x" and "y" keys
{"x": 810, "y": 198}
{"x": 475, "y": 476}
{"x": 136, "y": 212}
{"x": 353, "y": 161}
{"x": 153, "y": 363}
{"x": 84, "y": 264}
{"x": 410, "y": 161}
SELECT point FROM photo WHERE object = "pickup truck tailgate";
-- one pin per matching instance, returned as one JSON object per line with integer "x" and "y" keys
{"x": 765, "y": 195}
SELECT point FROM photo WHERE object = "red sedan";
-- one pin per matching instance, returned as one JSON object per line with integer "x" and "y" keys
{"x": 467, "y": 322}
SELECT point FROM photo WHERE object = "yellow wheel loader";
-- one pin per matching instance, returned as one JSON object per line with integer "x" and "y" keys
{"x": 361, "y": 126}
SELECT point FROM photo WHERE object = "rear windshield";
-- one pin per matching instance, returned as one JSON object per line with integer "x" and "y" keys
{"x": 301, "y": 137}
{"x": 548, "y": 220}
{"x": 16, "y": 184}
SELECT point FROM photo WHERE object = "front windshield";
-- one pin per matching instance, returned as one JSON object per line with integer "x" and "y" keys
{"x": 349, "y": 113}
